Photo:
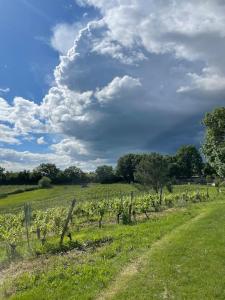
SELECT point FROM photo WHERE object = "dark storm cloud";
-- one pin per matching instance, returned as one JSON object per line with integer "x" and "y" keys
{"x": 139, "y": 79}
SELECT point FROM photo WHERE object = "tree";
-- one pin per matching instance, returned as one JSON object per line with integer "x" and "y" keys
{"x": 214, "y": 144}
{"x": 44, "y": 182}
{"x": 153, "y": 171}
{"x": 23, "y": 177}
{"x": 74, "y": 175}
{"x": 189, "y": 160}
{"x": 173, "y": 166}
{"x": 105, "y": 174}
{"x": 208, "y": 170}
{"x": 126, "y": 166}
{"x": 2, "y": 170}
{"x": 47, "y": 170}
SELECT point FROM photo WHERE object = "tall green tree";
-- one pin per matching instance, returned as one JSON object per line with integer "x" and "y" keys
{"x": 214, "y": 144}
{"x": 208, "y": 170}
{"x": 2, "y": 170}
{"x": 126, "y": 166}
{"x": 47, "y": 170}
{"x": 153, "y": 171}
{"x": 105, "y": 174}
{"x": 74, "y": 175}
{"x": 189, "y": 160}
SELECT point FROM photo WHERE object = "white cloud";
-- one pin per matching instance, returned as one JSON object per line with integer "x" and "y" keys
{"x": 7, "y": 135}
{"x": 13, "y": 159}
{"x": 118, "y": 88}
{"x": 64, "y": 36}
{"x": 4, "y": 90}
{"x": 123, "y": 84}
{"x": 64, "y": 108}
{"x": 162, "y": 26}
{"x": 18, "y": 160}
{"x": 70, "y": 147}
{"x": 208, "y": 82}
{"x": 41, "y": 141}
{"x": 192, "y": 30}
{"x": 23, "y": 114}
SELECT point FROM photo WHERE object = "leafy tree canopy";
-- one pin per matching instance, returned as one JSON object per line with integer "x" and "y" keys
{"x": 153, "y": 170}
{"x": 214, "y": 144}
{"x": 105, "y": 174}
{"x": 47, "y": 170}
{"x": 189, "y": 161}
{"x": 126, "y": 166}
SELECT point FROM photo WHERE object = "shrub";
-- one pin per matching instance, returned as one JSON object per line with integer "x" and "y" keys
{"x": 44, "y": 182}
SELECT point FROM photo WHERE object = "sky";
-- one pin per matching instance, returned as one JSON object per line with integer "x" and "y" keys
{"x": 83, "y": 82}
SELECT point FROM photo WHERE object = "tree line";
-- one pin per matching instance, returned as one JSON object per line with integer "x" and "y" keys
{"x": 152, "y": 169}
{"x": 186, "y": 163}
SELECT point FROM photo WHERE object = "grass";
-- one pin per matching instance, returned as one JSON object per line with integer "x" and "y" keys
{"x": 177, "y": 254}
{"x": 186, "y": 264}
{"x": 8, "y": 189}
{"x": 82, "y": 275}
{"x": 61, "y": 195}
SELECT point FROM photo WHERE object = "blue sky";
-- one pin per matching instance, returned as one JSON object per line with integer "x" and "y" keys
{"x": 83, "y": 82}
{"x": 27, "y": 61}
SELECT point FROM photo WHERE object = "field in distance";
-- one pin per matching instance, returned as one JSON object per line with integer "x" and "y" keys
{"x": 64, "y": 194}
{"x": 58, "y": 195}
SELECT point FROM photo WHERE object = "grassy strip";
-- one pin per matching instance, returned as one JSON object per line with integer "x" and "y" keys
{"x": 82, "y": 275}
{"x": 187, "y": 264}
{"x": 7, "y": 190}
{"x": 61, "y": 195}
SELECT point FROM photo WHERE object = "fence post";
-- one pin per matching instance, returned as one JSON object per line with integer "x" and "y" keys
{"x": 131, "y": 206}
{"x": 68, "y": 219}
{"x": 27, "y": 218}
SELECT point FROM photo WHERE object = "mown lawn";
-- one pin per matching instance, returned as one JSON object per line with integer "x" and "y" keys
{"x": 189, "y": 263}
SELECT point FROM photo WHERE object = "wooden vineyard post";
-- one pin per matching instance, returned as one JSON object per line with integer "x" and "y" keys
{"x": 131, "y": 206}
{"x": 160, "y": 194}
{"x": 27, "y": 220}
{"x": 68, "y": 219}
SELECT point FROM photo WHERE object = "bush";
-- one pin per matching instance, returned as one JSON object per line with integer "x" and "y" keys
{"x": 44, "y": 182}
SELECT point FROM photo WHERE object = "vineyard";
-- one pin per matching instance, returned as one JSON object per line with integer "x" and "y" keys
{"x": 59, "y": 195}
{"x": 77, "y": 249}
{"x": 38, "y": 228}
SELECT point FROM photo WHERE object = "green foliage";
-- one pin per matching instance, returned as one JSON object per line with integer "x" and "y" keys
{"x": 105, "y": 174}
{"x": 47, "y": 170}
{"x": 43, "y": 225}
{"x": 126, "y": 166}
{"x": 186, "y": 264}
{"x": 153, "y": 171}
{"x": 85, "y": 273}
{"x": 74, "y": 175}
{"x": 208, "y": 170}
{"x": 44, "y": 182}
{"x": 61, "y": 195}
{"x": 11, "y": 232}
{"x": 209, "y": 179}
{"x": 189, "y": 161}
{"x": 105, "y": 256}
{"x": 214, "y": 144}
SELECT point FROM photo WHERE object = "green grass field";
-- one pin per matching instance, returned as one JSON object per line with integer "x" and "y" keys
{"x": 176, "y": 254}
{"x": 6, "y": 189}
{"x": 63, "y": 194}
{"x": 188, "y": 263}
{"x": 60, "y": 195}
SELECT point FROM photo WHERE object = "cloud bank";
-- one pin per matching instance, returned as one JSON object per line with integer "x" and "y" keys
{"x": 140, "y": 78}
